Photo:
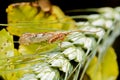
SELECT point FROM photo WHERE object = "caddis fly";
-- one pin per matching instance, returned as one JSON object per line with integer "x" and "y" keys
{"x": 50, "y": 37}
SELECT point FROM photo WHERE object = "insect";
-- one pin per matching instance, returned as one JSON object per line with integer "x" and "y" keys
{"x": 75, "y": 48}
{"x": 29, "y": 38}
{"x": 50, "y": 37}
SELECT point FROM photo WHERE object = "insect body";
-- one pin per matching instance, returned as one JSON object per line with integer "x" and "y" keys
{"x": 50, "y": 37}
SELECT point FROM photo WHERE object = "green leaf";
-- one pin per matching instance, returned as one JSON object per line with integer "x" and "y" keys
{"x": 6, "y": 44}
{"x": 8, "y": 57}
{"x": 6, "y": 50}
{"x": 37, "y": 48}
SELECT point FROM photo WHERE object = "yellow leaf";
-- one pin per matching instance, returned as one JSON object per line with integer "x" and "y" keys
{"x": 28, "y": 18}
{"x": 108, "y": 68}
